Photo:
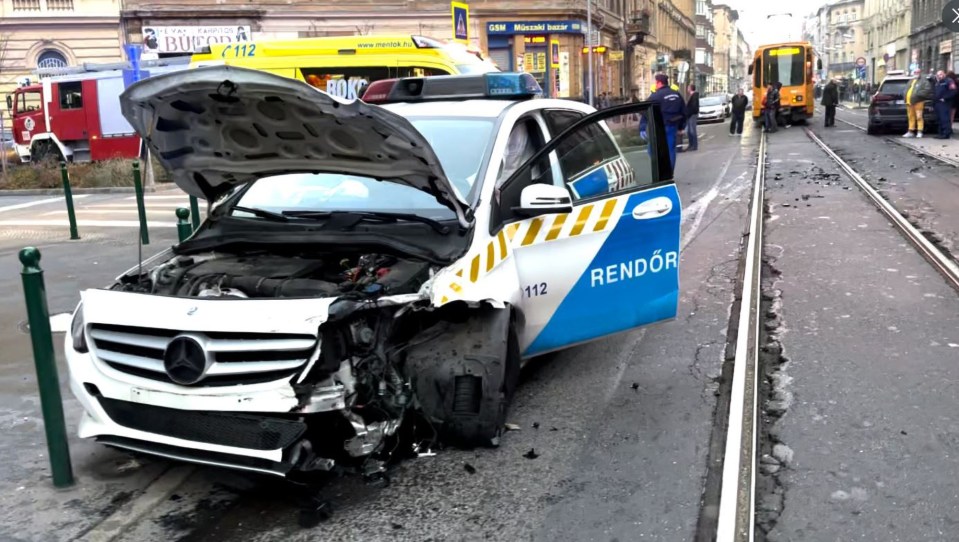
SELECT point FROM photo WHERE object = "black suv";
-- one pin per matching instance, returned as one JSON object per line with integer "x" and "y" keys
{"x": 887, "y": 110}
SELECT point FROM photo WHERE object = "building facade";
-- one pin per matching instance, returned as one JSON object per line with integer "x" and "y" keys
{"x": 725, "y": 51}
{"x": 932, "y": 46}
{"x": 887, "y": 36}
{"x": 841, "y": 38}
{"x": 705, "y": 46}
{"x": 740, "y": 64}
{"x": 674, "y": 39}
{"x": 628, "y": 36}
{"x": 53, "y": 34}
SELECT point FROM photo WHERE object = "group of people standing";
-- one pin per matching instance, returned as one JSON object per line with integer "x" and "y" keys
{"x": 681, "y": 116}
{"x": 944, "y": 93}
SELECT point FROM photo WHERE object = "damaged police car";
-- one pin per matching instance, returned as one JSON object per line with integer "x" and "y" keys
{"x": 365, "y": 261}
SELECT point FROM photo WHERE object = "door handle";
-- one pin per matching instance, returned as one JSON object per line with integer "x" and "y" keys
{"x": 653, "y": 208}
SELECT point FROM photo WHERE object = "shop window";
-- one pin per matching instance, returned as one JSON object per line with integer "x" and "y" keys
{"x": 71, "y": 96}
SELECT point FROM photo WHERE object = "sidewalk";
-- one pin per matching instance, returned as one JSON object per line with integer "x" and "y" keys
{"x": 854, "y": 105}
{"x": 946, "y": 150}
{"x": 112, "y": 489}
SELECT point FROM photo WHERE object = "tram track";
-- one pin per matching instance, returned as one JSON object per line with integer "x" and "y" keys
{"x": 736, "y": 518}
{"x": 942, "y": 262}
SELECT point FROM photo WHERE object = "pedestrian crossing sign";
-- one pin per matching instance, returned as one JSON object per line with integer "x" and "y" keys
{"x": 461, "y": 21}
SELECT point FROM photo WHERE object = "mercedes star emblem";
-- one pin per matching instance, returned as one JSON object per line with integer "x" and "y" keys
{"x": 185, "y": 361}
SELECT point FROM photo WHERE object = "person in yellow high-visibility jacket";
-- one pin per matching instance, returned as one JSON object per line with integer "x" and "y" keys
{"x": 673, "y": 86}
{"x": 918, "y": 91}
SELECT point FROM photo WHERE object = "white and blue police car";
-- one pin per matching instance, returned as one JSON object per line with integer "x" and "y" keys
{"x": 365, "y": 263}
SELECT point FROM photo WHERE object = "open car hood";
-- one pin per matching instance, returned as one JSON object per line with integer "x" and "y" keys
{"x": 220, "y": 126}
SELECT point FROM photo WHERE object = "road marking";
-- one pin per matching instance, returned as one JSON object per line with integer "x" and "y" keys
{"x": 702, "y": 204}
{"x": 159, "y": 490}
{"x": 112, "y": 211}
{"x": 128, "y": 206}
{"x": 85, "y": 223}
{"x": 38, "y": 202}
{"x": 155, "y": 196}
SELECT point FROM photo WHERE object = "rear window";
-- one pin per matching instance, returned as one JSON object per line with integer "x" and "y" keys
{"x": 895, "y": 88}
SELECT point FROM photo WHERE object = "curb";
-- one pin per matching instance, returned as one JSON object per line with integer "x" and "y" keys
{"x": 100, "y": 190}
{"x": 159, "y": 490}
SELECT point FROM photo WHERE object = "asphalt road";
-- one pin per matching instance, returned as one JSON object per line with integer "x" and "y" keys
{"x": 862, "y": 409}
{"x": 859, "y": 417}
{"x": 624, "y": 424}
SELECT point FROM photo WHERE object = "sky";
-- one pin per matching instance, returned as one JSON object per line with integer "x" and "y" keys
{"x": 759, "y": 30}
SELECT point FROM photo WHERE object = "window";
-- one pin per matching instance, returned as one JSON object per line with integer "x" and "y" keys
{"x": 60, "y": 5}
{"x": 26, "y": 5}
{"x": 524, "y": 141}
{"x": 590, "y": 160}
{"x": 783, "y": 65}
{"x": 349, "y": 83}
{"x": 28, "y": 101}
{"x": 700, "y": 31}
{"x": 71, "y": 96}
{"x": 701, "y": 7}
{"x": 51, "y": 58}
{"x": 700, "y": 56}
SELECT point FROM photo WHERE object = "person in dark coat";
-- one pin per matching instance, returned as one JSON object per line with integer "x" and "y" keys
{"x": 692, "y": 115}
{"x": 771, "y": 108}
{"x": 830, "y": 99}
{"x": 673, "y": 109}
{"x": 943, "y": 98}
{"x": 739, "y": 103}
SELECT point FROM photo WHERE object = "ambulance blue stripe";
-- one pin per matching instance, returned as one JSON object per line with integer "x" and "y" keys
{"x": 617, "y": 301}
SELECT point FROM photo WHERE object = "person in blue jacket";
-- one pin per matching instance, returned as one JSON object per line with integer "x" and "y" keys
{"x": 672, "y": 106}
{"x": 942, "y": 100}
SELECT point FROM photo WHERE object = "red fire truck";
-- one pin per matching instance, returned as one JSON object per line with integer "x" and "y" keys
{"x": 75, "y": 114}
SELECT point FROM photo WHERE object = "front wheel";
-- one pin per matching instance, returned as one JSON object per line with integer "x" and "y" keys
{"x": 466, "y": 378}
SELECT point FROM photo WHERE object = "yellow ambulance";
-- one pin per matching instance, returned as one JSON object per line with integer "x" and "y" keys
{"x": 344, "y": 66}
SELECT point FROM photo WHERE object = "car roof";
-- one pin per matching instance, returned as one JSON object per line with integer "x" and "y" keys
{"x": 473, "y": 108}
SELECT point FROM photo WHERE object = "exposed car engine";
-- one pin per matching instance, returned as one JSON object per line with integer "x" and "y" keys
{"x": 269, "y": 275}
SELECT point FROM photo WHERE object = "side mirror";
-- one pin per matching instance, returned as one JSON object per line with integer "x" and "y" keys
{"x": 544, "y": 199}
{"x": 819, "y": 64}
{"x": 750, "y": 69}
{"x": 9, "y": 102}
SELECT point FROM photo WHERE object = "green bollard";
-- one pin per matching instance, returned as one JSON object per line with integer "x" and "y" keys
{"x": 195, "y": 212}
{"x": 183, "y": 226}
{"x": 46, "y": 362}
{"x": 138, "y": 186}
{"x": 68, "y": 195}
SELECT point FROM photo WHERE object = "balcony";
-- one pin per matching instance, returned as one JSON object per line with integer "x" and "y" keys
{"x": 641, "y": 21}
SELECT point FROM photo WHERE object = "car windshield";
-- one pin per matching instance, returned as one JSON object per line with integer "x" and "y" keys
{"x": 896, "y": 89}
{"x": 711, "y": 101}
{"x": 783, "y": 65}
{"x": 459, "y": 143}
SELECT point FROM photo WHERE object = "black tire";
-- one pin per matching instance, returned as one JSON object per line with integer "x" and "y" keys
{"x": 45, "y": 151}
{"x": 872, "y": 130}
{"x": 465, "y": 380}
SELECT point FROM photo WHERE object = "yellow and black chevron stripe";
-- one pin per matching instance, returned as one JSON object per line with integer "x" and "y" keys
{"x": 590, "y": 218}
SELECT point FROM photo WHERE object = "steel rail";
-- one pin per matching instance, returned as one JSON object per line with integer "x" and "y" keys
{"x": 738, "y": 492}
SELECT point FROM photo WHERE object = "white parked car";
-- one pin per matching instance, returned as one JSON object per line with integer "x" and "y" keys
{"x": 362, "y": 263}
{"x": 711, "y": 109}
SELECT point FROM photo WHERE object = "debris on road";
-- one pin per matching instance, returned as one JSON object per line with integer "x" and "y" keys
{"x": 531, "y": 454}
{"x": 469, "y": 468}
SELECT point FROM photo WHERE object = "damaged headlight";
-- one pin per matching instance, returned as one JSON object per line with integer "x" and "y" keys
{"x": 77, "y": 331}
